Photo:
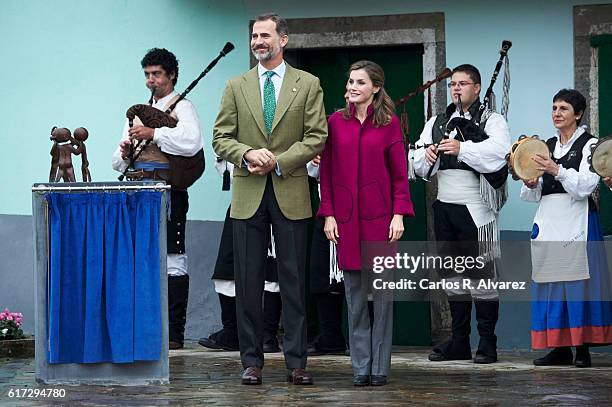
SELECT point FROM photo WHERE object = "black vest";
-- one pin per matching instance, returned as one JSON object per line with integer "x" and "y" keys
{"x": 571, "y": 159}
{"x": 447, "y": 161}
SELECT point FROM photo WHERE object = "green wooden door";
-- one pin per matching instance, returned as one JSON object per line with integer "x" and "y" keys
{"x": 604, "y": 45}
{"x": 403, "y": 66}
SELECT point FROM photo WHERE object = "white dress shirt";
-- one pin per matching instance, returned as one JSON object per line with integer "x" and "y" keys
{"x": 485, "y": 157}
{"x": 578, "y": 184}
{"x": 185, "y": 139}
{"x": 277, "y": 79}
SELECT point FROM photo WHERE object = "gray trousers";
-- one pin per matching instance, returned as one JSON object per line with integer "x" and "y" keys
{"x": 370, "y": 343}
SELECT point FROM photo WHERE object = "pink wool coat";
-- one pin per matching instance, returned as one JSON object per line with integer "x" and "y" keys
{"x": 364, "y": 182}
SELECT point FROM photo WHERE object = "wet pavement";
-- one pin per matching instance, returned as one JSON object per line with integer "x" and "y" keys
{"x": 210, "y": 378}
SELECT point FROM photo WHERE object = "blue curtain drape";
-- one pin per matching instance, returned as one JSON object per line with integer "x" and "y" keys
{"x": 103, "y": 296}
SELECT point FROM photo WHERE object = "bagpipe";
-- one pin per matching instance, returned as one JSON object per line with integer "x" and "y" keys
{"x": 471, "y": 129}
{"x": 445, "y": 73}
{"x": 184, "y": 171}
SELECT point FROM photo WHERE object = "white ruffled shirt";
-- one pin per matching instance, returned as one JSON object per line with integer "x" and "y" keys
{"x": 185, "y": 139}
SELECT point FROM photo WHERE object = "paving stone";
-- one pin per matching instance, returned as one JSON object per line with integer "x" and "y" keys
{"x": 211, "y": 378}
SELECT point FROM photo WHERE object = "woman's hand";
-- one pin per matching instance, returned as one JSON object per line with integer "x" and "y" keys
{"x": 546, "y": 164}
{"x": 331, "y": 229}
{"x": 396, "y": 228}
{"x": 531, "y": 183}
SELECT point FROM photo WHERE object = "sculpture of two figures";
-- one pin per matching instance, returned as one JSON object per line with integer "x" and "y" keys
{"x": 64, "y": 145}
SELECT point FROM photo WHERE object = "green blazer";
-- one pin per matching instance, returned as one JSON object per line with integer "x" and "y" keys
{"x": 298, "y": 134}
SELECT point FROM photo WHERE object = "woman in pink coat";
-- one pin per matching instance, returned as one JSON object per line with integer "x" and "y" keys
{"x": 364, "y": 197}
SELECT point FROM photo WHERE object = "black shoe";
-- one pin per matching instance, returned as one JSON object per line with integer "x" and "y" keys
{"x": 210, "y": 343}
{"x": 557, "y": 357}
{"x": 438, "y": 355}
{"x": 583, "y": 356}
{"x": 378, "y": 380}
{"x": 317, "y": 348}
{"x": 271, "y": 345}
{"x": 361, "y": 380}
{"x": 222, "y": 339}
{"x": 481, "y": 358}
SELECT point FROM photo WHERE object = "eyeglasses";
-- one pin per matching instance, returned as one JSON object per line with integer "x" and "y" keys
{"x": 461, "y": 84}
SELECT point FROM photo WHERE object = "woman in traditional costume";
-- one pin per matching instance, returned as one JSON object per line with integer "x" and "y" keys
{"x": 571, "y": 291}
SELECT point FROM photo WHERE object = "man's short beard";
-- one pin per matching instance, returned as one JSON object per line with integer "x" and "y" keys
{"x": 266, "y": 56}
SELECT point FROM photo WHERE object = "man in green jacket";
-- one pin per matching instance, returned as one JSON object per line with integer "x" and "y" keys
{"x": 270, "y": 124}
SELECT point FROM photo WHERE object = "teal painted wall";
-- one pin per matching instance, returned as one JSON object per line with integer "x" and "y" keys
{"x": 77, "y": 63}
{"x": 71, "y": 63}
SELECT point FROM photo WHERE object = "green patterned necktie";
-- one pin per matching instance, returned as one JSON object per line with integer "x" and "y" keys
{"x": 269, "y": 99}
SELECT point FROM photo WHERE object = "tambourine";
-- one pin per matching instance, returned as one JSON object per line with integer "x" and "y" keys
{"x": 520, "y": 160}
{"x": 600, "y": 160}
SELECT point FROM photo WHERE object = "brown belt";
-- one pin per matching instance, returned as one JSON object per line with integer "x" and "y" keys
{"x": 159, "y": 174}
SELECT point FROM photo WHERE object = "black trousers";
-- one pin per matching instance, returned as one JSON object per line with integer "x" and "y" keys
{"x": 179, "y": 205}
{"x": 224, "y": 266}
{"x": 458, "y": 234}
{"x": 250, "y": 253}
{"x": 178, "y": 286}
{"x": 453, "y": 223}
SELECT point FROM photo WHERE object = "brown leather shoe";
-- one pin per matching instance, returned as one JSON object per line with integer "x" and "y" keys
{"x": 174, "y": 345}
{"x": 251, "y": 375}
{"x": 299, "y": 376}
